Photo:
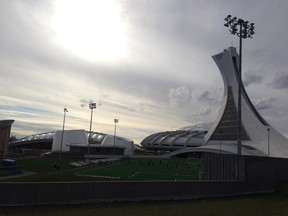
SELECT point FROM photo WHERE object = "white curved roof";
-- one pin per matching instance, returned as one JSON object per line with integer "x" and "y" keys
{"x": 172, "y": 140}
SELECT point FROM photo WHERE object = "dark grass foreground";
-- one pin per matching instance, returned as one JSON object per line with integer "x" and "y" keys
{"x": 265, "y": 205}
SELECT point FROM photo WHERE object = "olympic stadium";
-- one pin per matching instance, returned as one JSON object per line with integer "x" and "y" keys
{"x": 258, "y": 137}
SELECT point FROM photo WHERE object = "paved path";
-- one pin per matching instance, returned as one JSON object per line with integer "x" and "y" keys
{"x": 24, "y": 173}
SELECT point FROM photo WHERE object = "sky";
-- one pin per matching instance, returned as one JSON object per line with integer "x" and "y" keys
{"x": 146, "y": 62}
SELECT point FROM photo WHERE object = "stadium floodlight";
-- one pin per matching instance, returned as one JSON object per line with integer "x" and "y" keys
{"x": 62, "y": 135}
{"x": 245, "y": 30}
{"x": 268, "y": 142}
{"x": 115, "y": 122}
{"x": 91, "y": 106}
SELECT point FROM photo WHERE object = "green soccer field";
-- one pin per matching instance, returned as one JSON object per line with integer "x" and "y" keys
{"x": 147, "y": 169}
{"x": 155, "y": 169}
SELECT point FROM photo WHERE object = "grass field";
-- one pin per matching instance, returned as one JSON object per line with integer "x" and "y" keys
{"x": 147, "y": 169}
{"x": 133, "y": 169}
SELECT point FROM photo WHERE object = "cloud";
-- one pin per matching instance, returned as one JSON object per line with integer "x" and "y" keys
{"x": 252, "y": 79}
{"x": 143, "y": 106}
{"x": 202, "y": 116}
{"x": 258, "y": 52}
{"x": 169, "y": 49}
{"x": 179, "y": 96}
{"x": 203, "y": 95}
{"x": 210, "y": 98}
{"x": 115, "y": 104}
{"x": 84, "y": 102}
{"x": 266, "y": 103}
{"x": 281, "y": 80}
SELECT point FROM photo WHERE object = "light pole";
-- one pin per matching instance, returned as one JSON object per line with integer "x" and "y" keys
{"x": 246, "y": 30}
{"x": 60, "y": 155}
{"x": 91, "y": 106}
{"x": 115, "y": 121}
{"x": 268, "y": 139}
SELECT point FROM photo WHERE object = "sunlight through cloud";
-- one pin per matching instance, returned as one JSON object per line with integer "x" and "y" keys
{"x": 91, "y": 29}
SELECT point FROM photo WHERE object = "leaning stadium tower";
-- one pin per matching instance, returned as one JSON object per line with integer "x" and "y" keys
{"x": 257, "y": 136}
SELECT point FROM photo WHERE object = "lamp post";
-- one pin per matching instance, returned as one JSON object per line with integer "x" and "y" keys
{"x": 268, "y": 141}
{"x": 246, "y": 30}
{"x": 91, "y": 106}
{"x": 115, "y": 121}
{"x": 60, "y": 155}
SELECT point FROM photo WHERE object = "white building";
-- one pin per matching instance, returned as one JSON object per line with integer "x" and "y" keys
{"x": 100, "y": 144}
{"x": 70, "y": 137}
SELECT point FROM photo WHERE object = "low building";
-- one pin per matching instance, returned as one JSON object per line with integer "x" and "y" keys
{"x": 75, "y": 142}
{"x": 5, "y": 128}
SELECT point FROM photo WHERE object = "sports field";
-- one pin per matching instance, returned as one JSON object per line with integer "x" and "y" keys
{"x": 146, "y": 169}
{"x": 43, "y": 169}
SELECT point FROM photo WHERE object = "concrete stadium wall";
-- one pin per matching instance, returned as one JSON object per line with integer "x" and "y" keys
{"x": 19, "y": 194}
{"x": 223, "y": 167}
{"x": 244, "y": 168}
{"x": 266, "y": 169}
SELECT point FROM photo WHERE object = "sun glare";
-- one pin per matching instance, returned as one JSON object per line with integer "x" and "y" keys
{"x": 91, "y": 29}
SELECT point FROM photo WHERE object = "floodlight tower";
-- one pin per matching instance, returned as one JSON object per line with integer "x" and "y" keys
{"x": 115, "y": 122}
{"x": 91, "y": 106}
{"x": 60, "y": 155}
{"x": 245, "y": 30}
{"x": 268, "y": 141}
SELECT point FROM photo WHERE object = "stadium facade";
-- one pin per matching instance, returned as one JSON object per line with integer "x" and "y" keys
{"x": 76, "y": 142}
{"x": 258, "y": 137}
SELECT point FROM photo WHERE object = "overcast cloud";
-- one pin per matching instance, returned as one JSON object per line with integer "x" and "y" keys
{"x": 281, "y": 80}
{"x": 252, "y": 79}
{"x": 267, "y": 103}
{"x": 146, "y": 62}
